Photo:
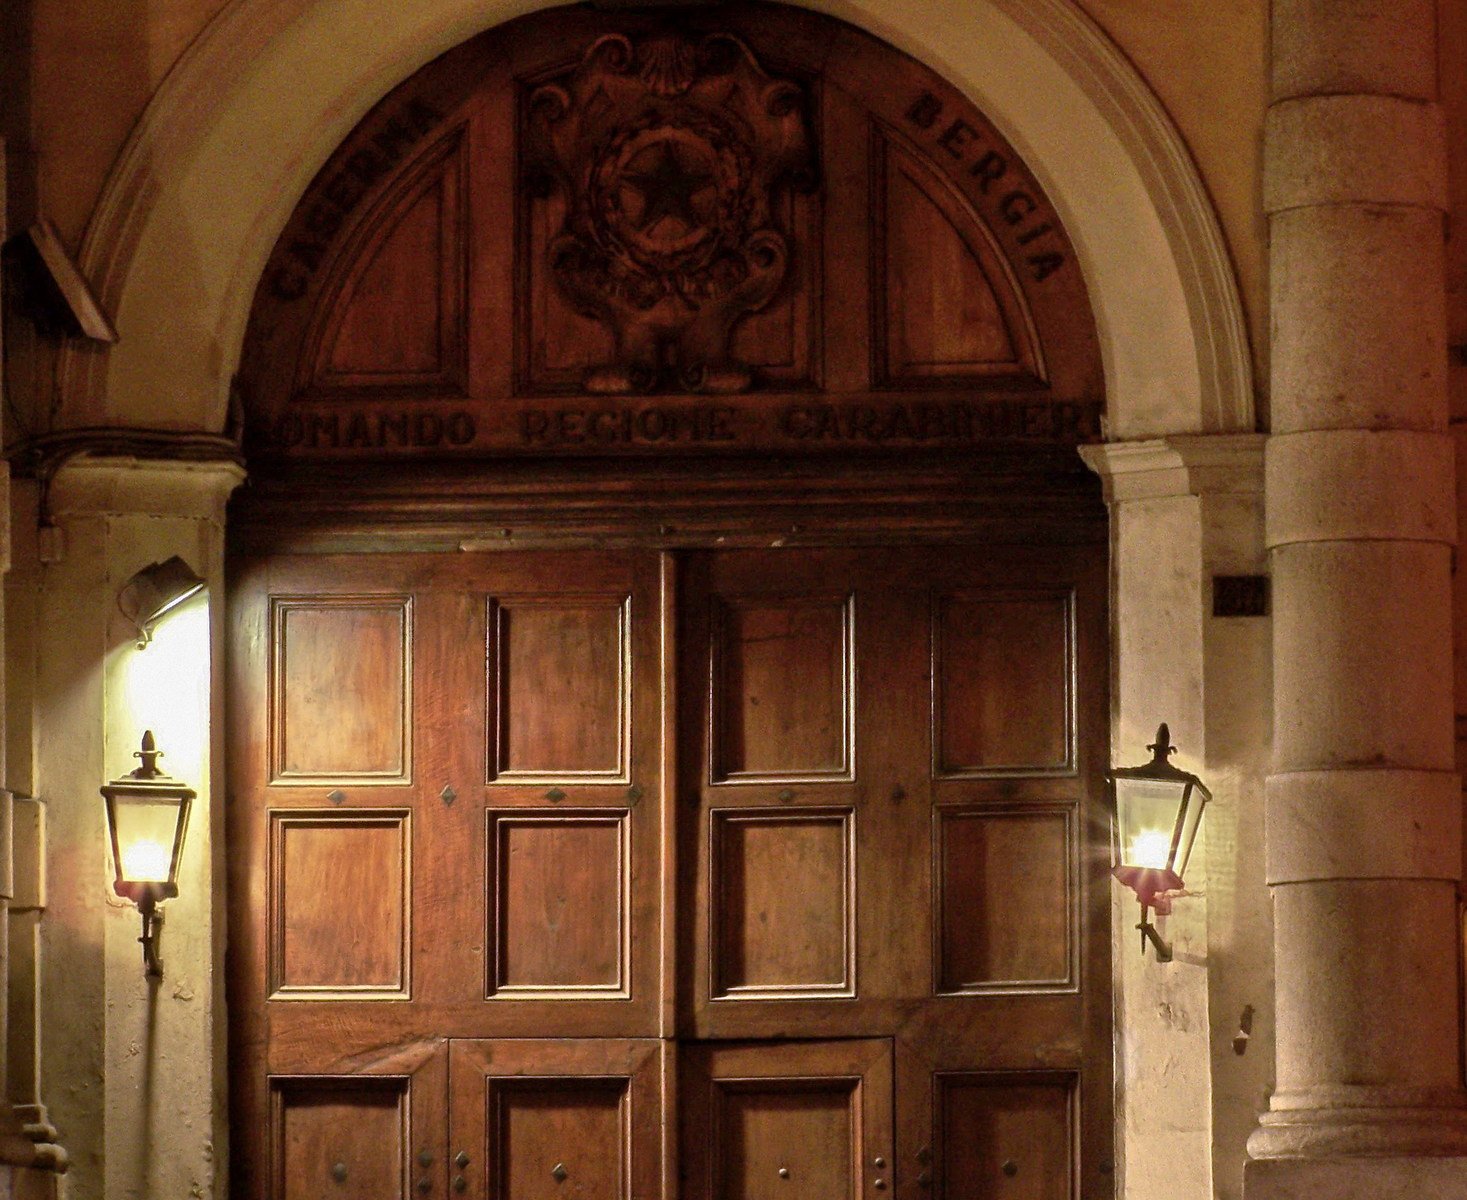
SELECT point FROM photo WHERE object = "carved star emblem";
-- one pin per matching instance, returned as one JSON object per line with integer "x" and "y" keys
{"x": 668, "y": 186}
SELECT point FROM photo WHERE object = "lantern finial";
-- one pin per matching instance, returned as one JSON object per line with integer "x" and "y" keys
{"x": 150, "y": 754}
{"x": 1162, "y": 748}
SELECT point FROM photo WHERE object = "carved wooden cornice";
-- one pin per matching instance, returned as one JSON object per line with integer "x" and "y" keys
{"x": 868, "y": 500}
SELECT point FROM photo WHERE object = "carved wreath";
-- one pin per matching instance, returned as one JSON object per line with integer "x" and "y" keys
{"x": 670, "y": 154}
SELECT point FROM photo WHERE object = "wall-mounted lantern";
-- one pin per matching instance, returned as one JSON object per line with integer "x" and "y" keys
{"x": 147, "y": 816}
{"x": 1156, "y": 810}
{"x": 154, "y": 591}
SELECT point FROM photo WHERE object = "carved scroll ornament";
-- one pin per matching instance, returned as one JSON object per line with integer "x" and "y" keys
{"x": 670, "y": 154}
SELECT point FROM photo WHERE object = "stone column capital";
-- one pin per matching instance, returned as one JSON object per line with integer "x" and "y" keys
{"x": 119, "y": 485}
{"x": 1193, "y": 464}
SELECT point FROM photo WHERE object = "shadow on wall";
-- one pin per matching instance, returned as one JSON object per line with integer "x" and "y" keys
{"x": 75, "y": 78}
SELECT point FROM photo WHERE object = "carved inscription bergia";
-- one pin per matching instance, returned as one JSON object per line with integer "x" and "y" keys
{"x": 670, "y": 154}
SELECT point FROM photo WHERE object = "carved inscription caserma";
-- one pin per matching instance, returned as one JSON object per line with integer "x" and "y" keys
{"x": 599, "y": 233}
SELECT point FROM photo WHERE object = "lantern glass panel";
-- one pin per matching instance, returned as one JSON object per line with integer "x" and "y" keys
{"x": 1146, "y": 819}
{"x": 1196, "y": 800}
{"x": 145, "y": 836}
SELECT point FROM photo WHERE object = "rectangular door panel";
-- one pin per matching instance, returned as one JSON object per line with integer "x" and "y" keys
{"x": 782, "y": 681}
{"x": 547, "y": 1132}
{"x": 787, "y": 1120}
{"x": 348, "y": 1133}
{"x": 561, "y": 681}
{"x": 990, "y": 861}
{"x": 341, "y": 683}
{"x": 1003, "y": 672}
{"x": 372, "y": 1134}
{"x": 784, "y": 906}
{"x": 1008, "y": 1136}
{"x": 967, "y": 1131}
{"x": 555, "y": 1120}
{"x": 340, "y": 903}
{"x": 561, "y": 883}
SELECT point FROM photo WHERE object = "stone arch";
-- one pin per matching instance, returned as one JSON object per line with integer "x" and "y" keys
{"x": 248, "y": 115}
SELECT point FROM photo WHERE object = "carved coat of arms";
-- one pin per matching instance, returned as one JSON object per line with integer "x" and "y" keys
{"x": 670, "y": 153}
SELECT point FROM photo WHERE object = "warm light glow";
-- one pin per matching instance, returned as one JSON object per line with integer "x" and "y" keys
{"x": 1150, "y": 849}
{"x": 165, "y": 688}
{"x": 146, "y": 861}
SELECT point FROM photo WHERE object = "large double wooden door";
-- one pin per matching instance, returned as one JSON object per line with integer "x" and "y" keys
{"x": 737, "y": 875}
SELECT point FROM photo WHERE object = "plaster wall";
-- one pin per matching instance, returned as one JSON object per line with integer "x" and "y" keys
{"x": 131, "y": 1071}
{"x": 1208, "y": 63}
{"x": 86, "y": 71}
{"x": 1162, "y": 1018}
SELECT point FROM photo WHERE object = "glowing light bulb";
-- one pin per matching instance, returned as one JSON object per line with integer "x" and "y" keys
{"x": 146, "y": 861}
{"x": 1150, "y": 849}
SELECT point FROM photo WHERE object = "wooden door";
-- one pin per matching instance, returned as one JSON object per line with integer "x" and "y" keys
{"x": 895, "y": 758}
{"x": 823, "y": 824}
{"x": 565, "y": 875}
{"x": 445, "y": 818}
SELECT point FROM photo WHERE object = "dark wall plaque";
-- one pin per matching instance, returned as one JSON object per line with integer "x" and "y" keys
{"x": 1240, "y": 595}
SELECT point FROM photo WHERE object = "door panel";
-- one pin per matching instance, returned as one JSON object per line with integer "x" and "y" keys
{"x": 373, "y": 1134}
{"x": 559, "y": 881}
{"x": 341, "y": 903}
{"x": 556, "y": 1120}
{"x": 1003, "y": 669}
{"x": 787, "y": 1120}
{"x": 560, "y": 681}
{"x": 1009, "y": 1137}
{"x": 771, "y": 939}
{"x": 783, "y": 679}
{"x": 341, "y": 682}
{"x": 323, "y": 1125}
{"x": 967, "y": 1133}
{"x": 989, "y": 860}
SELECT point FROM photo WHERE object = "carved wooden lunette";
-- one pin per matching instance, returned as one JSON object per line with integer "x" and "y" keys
{"x": 670, "y": 154}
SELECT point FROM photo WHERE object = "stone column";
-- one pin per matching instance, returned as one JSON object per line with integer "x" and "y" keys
{"x": 1363, "y": 826}
{"x": 1184, "y": 510}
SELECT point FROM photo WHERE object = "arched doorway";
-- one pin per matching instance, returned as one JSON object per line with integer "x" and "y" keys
{"x": 193, "y": 208}
{"x": 761, "y": 839}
